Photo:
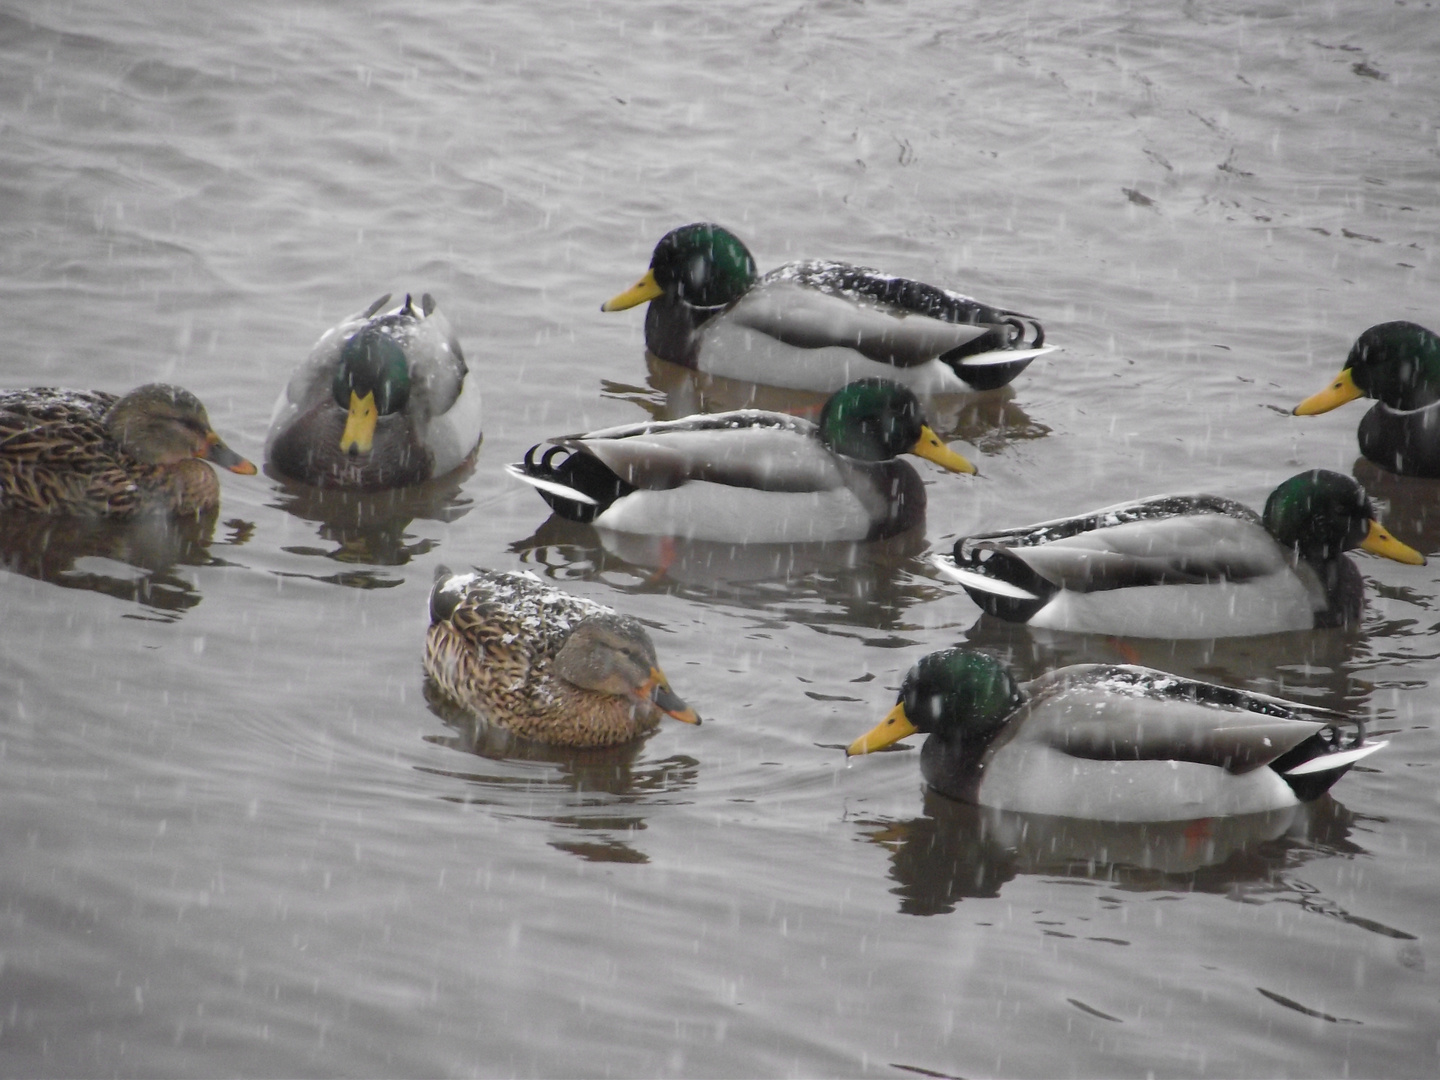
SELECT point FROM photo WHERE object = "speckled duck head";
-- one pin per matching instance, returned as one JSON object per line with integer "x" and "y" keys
{"x": 160, "y": 424}
{"x": 703, "y": 265}
{"x": 612, "y": 654}
{"x": 960, "y": 696}
{"x": 876, "y": 420}
{"x": 1395, "y": 362}
{"x": 1320, "y": 514}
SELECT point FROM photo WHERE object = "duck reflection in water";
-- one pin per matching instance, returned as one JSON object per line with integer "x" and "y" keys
{"x": 957, "y": 850}
{"x": 846, "y": 584}
{"x": 1410, "y": 503}
{"x": 370, "y": 528}
{"x": 596, "y": 798}
{"x": 134, "y": 560}
{"x": 989, "y": 419}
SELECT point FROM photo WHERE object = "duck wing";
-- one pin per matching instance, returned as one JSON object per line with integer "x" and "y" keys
{"x": 508, "y": 606}
{"x": 55, "y": 454}
{"x": 749, "y": 448}
{"x": 1189, "y": 550}
{"x": 1166, "y": 540}
{"x": 437, "y": 364}
{"x": 887, "y": 319}
{"x": 807, "y": 319}
{"x": 1125, "y": 713}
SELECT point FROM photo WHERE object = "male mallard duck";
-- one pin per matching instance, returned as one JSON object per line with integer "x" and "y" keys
{"x": 752, "y": 476}
{"x": 87, "y": 452}
{"x": 545, "y": 665}
{"x": 1186, "y": 566}
{"x": 1112, "y": 742}
{"x": 383, "y": 400}
{"x": 818, "y": 325}
{"x": 1398, "y": 363}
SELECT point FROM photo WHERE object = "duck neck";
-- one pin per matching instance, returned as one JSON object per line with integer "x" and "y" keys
{"x": 672, "y": 329}
{"x": 1344, "y": 589}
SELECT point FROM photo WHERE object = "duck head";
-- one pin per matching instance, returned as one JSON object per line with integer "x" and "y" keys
{"x": 371, "y": 381}
{"x": 702, "y": 265}
{"x": 876, "y": 420}
{"x": 1395, "y": 362}
{"x": 1320, "y": 514}
{"x": 612, "y": 654}
{"x": 161, "y": 424}
{"x": 960, "y": 696}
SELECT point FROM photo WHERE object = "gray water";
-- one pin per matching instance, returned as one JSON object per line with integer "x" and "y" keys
{"x": 236, "y": 838}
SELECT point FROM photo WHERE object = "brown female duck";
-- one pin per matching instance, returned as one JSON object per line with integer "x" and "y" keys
{"x": 86, "y": 452}
{"x": 542, "y": 664}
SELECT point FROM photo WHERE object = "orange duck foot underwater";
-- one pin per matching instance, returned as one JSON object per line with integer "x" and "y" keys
{"x": 544, "y": 665}
{"x": 89, "y": 453}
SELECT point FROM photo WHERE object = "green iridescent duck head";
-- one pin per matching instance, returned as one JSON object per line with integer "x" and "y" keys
{"x": 703, "y": 265}
{"x": 1395, "y": 362}
{"x": 371, "y": 381}
{"x": 962, "y": 696}
{"x": 876, "y": 420}
{"x": 1321, "y": 514}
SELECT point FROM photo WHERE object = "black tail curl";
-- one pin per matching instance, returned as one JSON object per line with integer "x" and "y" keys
{"x": 994, "y": 561}
{"x": 1328, "y": 740}
{"x": 1002, "y": 336}
{"x": 583, "y": 473}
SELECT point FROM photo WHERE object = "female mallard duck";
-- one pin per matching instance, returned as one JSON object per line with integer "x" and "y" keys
{"x": 1398, "y": 363}
{"x": 1112, "y": 742}
{"x": 383, "y": 400}
{"x": 86, "y": 452}
{"x": 544, "y": 665}
{"x": 752, "y": 476}
{"x": 1186, "y": 566}
{"x": 819, "y": 325}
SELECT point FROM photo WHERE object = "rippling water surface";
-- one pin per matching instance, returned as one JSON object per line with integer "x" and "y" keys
{"x": 237, "y": 838}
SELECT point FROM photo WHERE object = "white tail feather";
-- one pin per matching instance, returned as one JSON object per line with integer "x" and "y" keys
{"x": 1327, "y": 762}
{"x": 980, "y": 582}
{"x": 1004, "y": 356}
{"x": 518, "y": 471}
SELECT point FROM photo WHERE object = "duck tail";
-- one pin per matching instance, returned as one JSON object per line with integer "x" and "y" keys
{"x": 996, "y": 579}
{"x": 1315, "y": 764}
{"x": 580, "y": 488}
{"x": 995, "y": 357}
{"x": 446, "y": 592}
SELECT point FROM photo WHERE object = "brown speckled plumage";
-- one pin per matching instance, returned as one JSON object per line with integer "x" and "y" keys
{"x": 82, "y": 452}
{"x": 492, "y": 646}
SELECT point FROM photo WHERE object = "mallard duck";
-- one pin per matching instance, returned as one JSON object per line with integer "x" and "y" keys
{"x": 1398, "y": 364}
{"x": 819, "y": 325}
{"x": 383, "y": 400}
{"x": 86, "y": 452}
{"x": 1186, "y": 566}
{"x": 545, "y": 665}
{"x": 752, "y": 476}
{"x": 1112, "y": 742}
